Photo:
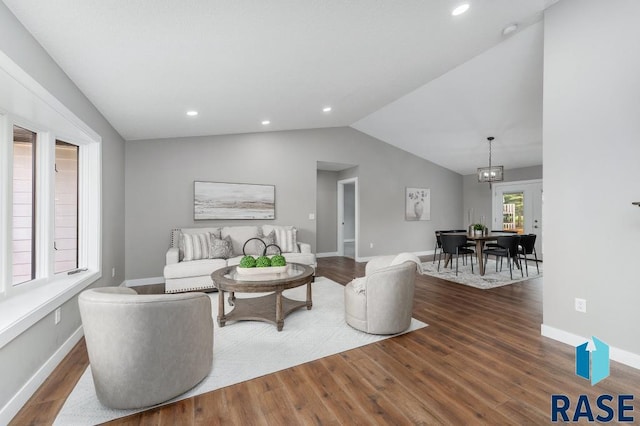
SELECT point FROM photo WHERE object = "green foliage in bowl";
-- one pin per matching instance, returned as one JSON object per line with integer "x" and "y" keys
{"x": 263, "y": 262}
{"x": 248, "y": 262}
{"x": 278, "y": 260}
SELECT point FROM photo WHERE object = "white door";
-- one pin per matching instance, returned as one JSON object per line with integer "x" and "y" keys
{"x": 517, "y": 206}
{"x": 347, "y": 217}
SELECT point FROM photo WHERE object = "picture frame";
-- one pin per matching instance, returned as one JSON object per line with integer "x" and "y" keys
{"x": 221, "y": 200}
{"x": 417, "y": 204}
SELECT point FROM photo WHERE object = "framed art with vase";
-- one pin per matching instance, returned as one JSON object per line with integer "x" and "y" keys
{"x": 417, "y": 204}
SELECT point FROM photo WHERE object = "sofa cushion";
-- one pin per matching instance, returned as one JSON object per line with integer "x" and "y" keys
{"x": 304, "y": 258}
{"x": 286, "y": 237}
{"x": 221, "y": 248}
{"x": 239, "y": 235}
{"x": 195, "y": 268}
{"x": 253, "y": 247}
{"x": 195, "y": 246}
{"x": 214, "y": 231}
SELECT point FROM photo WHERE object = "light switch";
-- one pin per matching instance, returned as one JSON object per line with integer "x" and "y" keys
{"x": 312, "y": 216}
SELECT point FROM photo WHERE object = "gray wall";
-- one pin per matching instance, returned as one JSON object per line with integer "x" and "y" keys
{"x": 22, "y": 357}
{"x": 477, "y": 196}
{"x": 591, "y": 151}
{"x": 160, "y": 175}
{"x": 326, "y": 212}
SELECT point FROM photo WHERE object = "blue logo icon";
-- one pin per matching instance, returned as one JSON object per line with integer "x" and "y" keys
{"x": 597, "y": 352}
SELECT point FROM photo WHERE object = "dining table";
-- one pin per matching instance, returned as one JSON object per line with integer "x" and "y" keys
{"x": 479, "y": 240}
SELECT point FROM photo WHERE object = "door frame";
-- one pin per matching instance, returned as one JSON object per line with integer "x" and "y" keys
{"x": 496, "y": 206}
{"x": 340, "y": 241}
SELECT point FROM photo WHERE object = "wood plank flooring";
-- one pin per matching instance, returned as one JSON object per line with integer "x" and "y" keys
{"x": 480, "y": 361}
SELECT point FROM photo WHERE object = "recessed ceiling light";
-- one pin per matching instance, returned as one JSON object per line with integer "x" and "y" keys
{"x": 265, "y": 122}
{"x": 509, "y": 29}
{"x": 192, "y": 113}
{"x": 460, "y": 9}
{"x": 326, "y": 109}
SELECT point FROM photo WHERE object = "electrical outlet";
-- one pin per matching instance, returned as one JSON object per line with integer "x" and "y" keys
{"x": 113, "y": 272}
{"x": 581, "y": 305}
{"x": 312, "y": 216}
{"x": 370, "y": 245}
{"x": 56, "y": 316}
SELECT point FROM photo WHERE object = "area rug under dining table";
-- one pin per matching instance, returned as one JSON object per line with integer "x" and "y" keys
{"x": 491, "y": 278}
{"x": 249, "y": 349}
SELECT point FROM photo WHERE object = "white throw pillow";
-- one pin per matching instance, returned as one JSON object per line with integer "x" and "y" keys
{"x": 286, "y": 237}
{"x": 195, "y": 246}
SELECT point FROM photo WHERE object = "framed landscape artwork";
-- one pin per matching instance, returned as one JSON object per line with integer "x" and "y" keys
{"x": 217, "y": 200}
{"x": 417, "y": 204}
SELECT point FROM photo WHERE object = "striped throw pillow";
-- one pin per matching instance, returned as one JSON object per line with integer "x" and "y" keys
{"x": 286, "y": 239}
{"x": 195, "y": 246}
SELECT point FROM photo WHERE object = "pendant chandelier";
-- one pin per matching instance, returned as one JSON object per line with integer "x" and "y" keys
{"x": 492, "y": 173}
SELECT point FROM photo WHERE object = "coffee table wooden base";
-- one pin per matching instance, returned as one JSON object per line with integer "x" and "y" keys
{"x": 271, "y": 308}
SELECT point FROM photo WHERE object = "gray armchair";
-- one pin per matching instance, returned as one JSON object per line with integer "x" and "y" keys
{"x": 146, "y": 349}
{"x": 381, "y": 302}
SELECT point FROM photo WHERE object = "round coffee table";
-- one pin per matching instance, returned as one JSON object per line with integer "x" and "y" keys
{"x": 271, "y": 308}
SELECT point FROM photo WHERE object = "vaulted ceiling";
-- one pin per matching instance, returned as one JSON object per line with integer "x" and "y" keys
{"x": 408, "y": 73}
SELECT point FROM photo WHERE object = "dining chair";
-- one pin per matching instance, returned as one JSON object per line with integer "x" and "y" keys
{"x": 454, "y": 244}
{"x": 469, "y": 244}
{"x": 506, "y": 247}
{"x": 528, "y": 247}
{"x": 438, "y": 245}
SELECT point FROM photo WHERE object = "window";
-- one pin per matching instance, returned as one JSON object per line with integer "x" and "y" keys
{"x": 66, "y": 207}
{"x": 24, "y": 192}
{"x": 30, "y": 192}
{"x": 52, "y": 190}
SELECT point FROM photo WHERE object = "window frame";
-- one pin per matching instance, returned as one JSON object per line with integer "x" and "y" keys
{"x": 25, "y": 103}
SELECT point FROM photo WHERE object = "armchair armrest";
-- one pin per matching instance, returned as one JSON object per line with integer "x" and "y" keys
{"x": 304, "y": 247}
{"x": 173, "y": 255}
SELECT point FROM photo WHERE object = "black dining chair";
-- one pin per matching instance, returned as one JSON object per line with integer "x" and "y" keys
{"x": 438, "y": 245}
{"x": 454, "y": 244}
{"x": 528, "y": 247}
{"x": 506, "y": 247}
{"x": 469, "y": 244}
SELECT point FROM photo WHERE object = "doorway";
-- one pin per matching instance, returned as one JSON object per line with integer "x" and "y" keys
{"x": 348, "y": 217}
{"x": 517, "y": 206}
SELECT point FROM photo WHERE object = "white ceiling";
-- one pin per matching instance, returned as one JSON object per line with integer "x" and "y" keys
{"x": 144, "y": 63}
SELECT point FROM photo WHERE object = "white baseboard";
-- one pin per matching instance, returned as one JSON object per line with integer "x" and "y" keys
{"x": 19, "y": 399}
{"x": 417, "y": 253}
{"x": 615, "y": 354}
{"x": 144, "y": 281}
{"x": 327, "y": 254}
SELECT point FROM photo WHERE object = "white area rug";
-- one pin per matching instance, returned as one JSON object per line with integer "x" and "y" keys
{"x": 248, "y": 349}
{"x": 491, "y": 278}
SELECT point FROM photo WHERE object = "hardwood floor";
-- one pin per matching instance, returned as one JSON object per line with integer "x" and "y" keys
{"x": 480, "y": 361}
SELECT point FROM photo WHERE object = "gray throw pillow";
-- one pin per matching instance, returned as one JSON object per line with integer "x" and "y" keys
{"x": 269, "y": 240}
{"x": 221, "y": 248}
